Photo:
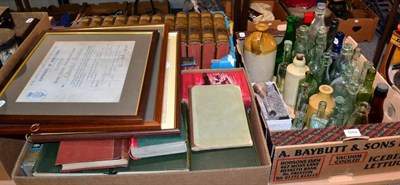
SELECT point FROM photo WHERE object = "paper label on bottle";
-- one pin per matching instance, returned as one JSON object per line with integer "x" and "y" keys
{"x": 352, "y": 132}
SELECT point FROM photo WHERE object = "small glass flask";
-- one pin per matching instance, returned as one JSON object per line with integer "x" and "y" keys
{"x": 8, "y": 45}
{"x": 301, "y": 108}
{"x": 319, "y": 120}
{"x": 287, "y": 59}
{"x": 360, "y": 114}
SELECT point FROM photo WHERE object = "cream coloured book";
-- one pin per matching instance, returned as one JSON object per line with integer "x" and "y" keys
{"x": 218, "y": 118}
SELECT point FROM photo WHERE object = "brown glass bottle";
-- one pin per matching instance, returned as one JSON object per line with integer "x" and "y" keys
{"x": 376, "y": 113}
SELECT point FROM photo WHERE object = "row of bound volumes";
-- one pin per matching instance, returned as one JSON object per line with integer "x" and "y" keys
{"x": 204, "y": 36}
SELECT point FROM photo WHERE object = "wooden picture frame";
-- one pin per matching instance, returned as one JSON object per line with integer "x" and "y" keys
{"x": 18, "y": 113}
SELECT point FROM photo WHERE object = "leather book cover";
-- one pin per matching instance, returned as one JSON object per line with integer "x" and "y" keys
{"x": 194, "y": 37}
{"x": 208, "y": 40}
{"x": 218, "y": 118}
{"x": 221, "y": 35}
{"x": 169, "y": 19}
{"x": 82, "y": 154}
{"x": 181, "y": 25}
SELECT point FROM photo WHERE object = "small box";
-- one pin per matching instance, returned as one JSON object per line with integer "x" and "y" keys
{"x": 9, "y": 151}
{"x": 361, "y": 28}
{"x": 279, "y": 13}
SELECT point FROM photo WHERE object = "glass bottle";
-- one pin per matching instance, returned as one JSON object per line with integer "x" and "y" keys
{"x": 343, "y": 62}
{"x": 337, "y": 45}
{"x": 337, "y": 116}
{"x": 317, "y": 51}
{"x": 259, "y": 54}
{"x": 317, "y": 23}
{"x": 377, "y": 111}
{"x": 365, "y": 93}
{"x": 319, "y": 120}
{"x": 350, "y": 100}
{"x": 360, "y": 114}
{"x": 333, "y": 28}
{"x": 355, "y": 61}
{"x": 367, "y": 64}
{"x": 312, "y": 87}
{"x": 294, "y": 73}
{"x": 287, "y": 58}
{"x": 301, "y": 107}
{"x": 290, "y": 34}
{"x": 320, "y": 72}
{"x": 300, "y": 46}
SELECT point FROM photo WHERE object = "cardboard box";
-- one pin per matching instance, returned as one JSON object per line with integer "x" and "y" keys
{"x": 360, "y": 29}
{"x": 14, "y": 61}
{"x": 245, "y": 175}
{"x": 10, "y": 149}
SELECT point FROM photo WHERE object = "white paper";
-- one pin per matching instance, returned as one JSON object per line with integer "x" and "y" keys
{"x": 352, "y": 132}
{"x": 80, "y": 71}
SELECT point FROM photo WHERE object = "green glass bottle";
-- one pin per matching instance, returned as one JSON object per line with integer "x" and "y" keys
{"x": 337, "y": 116}
{"x": 366, "y": 91}
{"x": 320, "y": 72}
{"x": 367, "y": 64}
{"x": 290, "y": 34}
{"x": 318, "y": 120}
{"x": 301, "y": 108}
{"x": 360, "y": 114}
{"x": 287, "y": 59}
{"x": 312, "y": 86}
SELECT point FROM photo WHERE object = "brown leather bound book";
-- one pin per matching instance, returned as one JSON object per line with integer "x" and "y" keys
{"x": 84, "y": 22}
{"x": 194, "y": 37}
{"x": 108, "y": 21}
{"x": 181, "y": 25}
{"x": 120, "y": 20}
{"x": 96, "y": 21}
{"x": 157, "y": 19}
{"x": 92, "y": 154}
{"x": 208, "y": 40}
{"x": 221, "y": 35}
{"x": 144, "y": 19}
{"x": 170, "y": 20}
{"x": 133, "y": 20}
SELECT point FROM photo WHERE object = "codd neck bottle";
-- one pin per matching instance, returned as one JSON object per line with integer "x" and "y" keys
{"x": 318, "y": 120}
{"x": 290, "y": 34}
{"x": 350, "y": 100}
{"x": 301, "y": 108}
{"x": 287, "y": 58}
{"x": 377, "y": 112}
{"x": 321, "y": 69}
{"x": 360, "y": 114}
{"x": 337, "y": 116}
{"x": 343, "y": 63}
{"x": 300, "y": 46}
{"x": 365, "y": 93}
{"x": 333, "y": 28}
{"x": 317, "y": 51}
{"x": 312, "y": 87}
{"x": 317, "y": 23}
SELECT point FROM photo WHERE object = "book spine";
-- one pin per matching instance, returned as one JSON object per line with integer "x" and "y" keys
{"x": 181, "y": 25}
{"x": 133, "y": 20}
{"x": 194, "y": 37}
{"x": 221, "y": 35}
{"x": 208, "y": 40}
{"x": 144, "y": 19}
{"x": 157, "y": 19}
{"x": 169, "y": 19}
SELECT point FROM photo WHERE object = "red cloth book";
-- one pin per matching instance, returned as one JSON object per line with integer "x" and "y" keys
{"x": 92, "y": 154}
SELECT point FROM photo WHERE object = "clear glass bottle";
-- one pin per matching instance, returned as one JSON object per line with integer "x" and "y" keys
{"x": 320, "y": 72}
{"x": 377, "y": 111}
{"x": 337, "y": 116}
{"x": 318, "y": 22}
{"x": 294, "y": 73}
{"x": 287, "y": 59}
{"x": 317, "y": 51}
{"x": 343, "y": 63}
{"x": 333, "y": 28}
{"x": 360, "y": 114}
{"x": 290, "y": 34}
{"x": 301, "y": 108}
{"x": 319, "y": 120}
{"x": 312, "y": 87}
{"x": 350, "y": 100}
{"x": 300, "y": 46}
{"x": 365, "y": 93}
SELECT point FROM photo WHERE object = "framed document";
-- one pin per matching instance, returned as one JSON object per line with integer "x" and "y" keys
{"x": 85, "y": 78}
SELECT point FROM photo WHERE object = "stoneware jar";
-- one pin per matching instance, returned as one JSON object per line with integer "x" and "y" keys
{"x": 259, "y": 54}
{"x": 324, "y": 94}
